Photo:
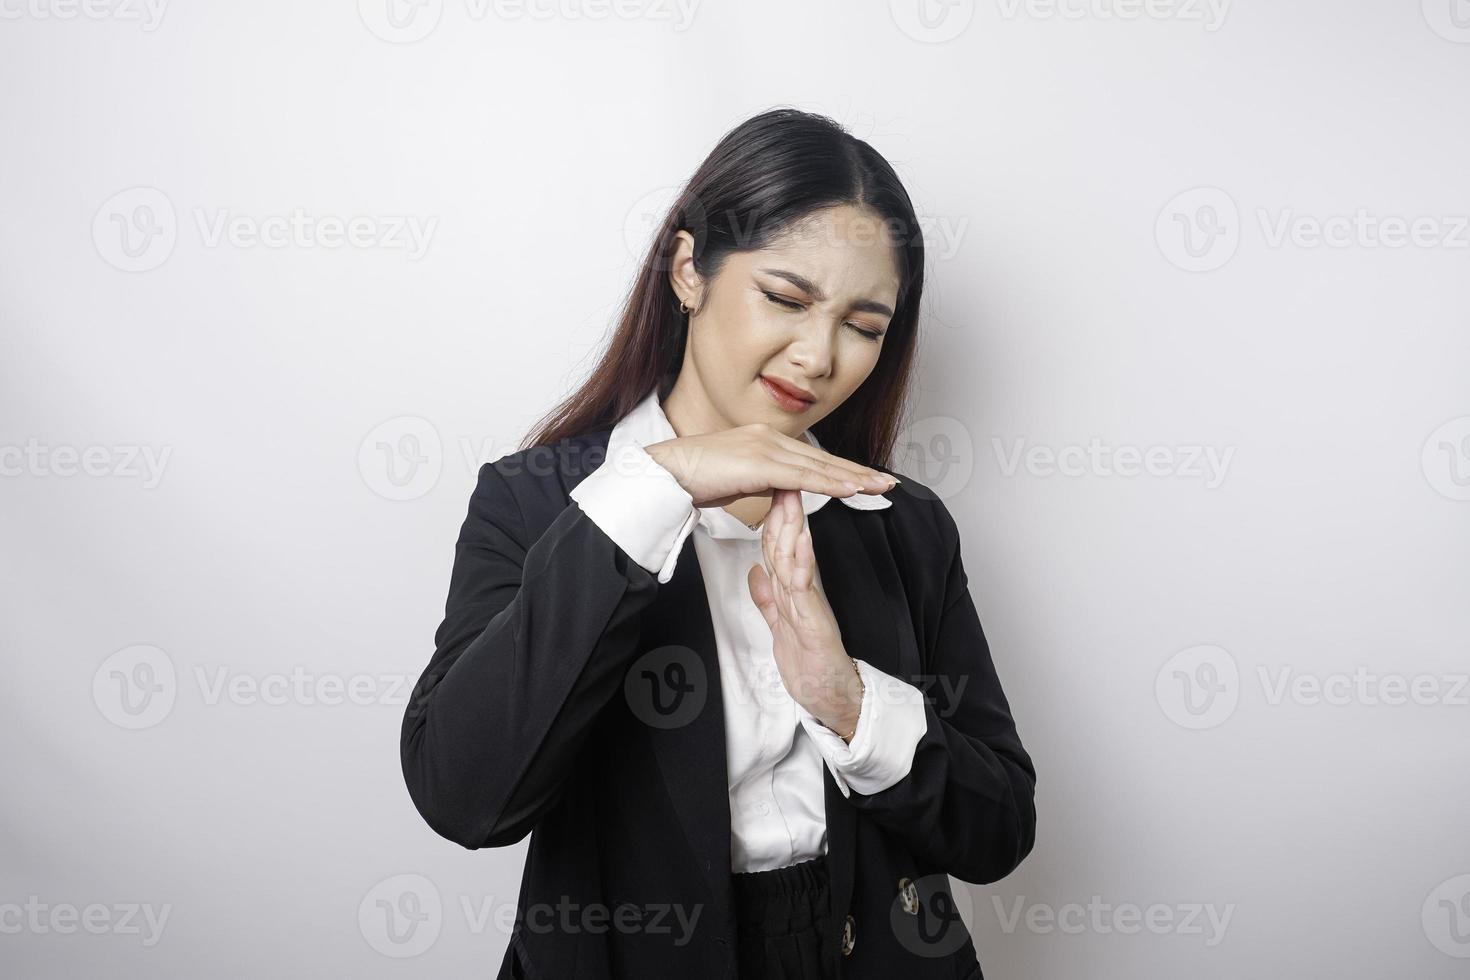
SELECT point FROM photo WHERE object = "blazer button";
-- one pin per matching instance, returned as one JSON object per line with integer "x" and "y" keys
{"x": 849, "y": 936}
{"x": 908, "y": 896}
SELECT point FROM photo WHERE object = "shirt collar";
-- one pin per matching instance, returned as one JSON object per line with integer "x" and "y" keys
{"x": 647, "y": 424}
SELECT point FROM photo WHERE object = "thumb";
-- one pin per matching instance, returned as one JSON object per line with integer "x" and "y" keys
{"x": 759, "y": 582}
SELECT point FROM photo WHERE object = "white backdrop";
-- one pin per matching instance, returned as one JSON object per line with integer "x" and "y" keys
{"x": 275, "y": 278}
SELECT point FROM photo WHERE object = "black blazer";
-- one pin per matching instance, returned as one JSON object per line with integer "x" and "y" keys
{"x": 521, "y": 722}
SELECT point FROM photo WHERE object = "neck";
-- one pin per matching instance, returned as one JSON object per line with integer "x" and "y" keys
{"x": 689, "y": 411}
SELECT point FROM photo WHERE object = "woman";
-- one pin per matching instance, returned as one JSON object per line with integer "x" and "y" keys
{"x": 750, "y": 734}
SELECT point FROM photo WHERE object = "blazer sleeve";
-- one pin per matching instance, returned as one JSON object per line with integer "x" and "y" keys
{"x": 968, "y": 803}
{"x": 535, "y": 641}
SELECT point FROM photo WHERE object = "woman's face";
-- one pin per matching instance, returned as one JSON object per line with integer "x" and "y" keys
{"x": 808, "y": 311}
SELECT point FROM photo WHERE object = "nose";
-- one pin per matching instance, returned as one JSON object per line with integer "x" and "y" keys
{"x": 811, "y": 351}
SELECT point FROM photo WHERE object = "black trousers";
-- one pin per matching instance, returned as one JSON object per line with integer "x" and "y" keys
{"x": 783, "y": 920}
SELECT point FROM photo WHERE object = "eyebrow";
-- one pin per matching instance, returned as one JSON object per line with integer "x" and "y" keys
{"x": 816, "y": 292}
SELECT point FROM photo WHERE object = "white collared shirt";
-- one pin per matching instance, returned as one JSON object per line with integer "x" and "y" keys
{"x": 774, "y": 748}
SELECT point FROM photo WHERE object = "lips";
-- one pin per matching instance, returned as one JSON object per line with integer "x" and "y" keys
{"x": 801, "y": 394}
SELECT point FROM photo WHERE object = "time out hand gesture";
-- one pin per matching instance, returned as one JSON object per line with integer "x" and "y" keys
{"x": 717, "y": 468}
{"x": 806, "y": 642}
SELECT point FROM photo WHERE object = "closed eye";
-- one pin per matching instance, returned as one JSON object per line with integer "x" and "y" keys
{"x": 873, "y": 335}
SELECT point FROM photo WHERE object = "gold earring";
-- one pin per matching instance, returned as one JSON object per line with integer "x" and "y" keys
{"x": 683, "y": 307}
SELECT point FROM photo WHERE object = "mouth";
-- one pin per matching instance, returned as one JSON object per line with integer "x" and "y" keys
{"x": 788, "y": 398}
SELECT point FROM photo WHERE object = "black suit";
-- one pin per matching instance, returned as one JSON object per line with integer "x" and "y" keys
{"x": 521, "y": 722}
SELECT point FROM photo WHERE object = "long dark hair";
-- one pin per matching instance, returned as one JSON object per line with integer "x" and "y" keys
{"x": 764, "y": 176}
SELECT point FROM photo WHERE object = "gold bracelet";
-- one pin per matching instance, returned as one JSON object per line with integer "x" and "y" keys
{"x": 862, "y": 689}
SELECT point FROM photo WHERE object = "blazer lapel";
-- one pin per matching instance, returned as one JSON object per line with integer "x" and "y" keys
{"x": 692, "y": 756}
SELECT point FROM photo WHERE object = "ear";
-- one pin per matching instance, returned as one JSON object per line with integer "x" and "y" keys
{"x": 686, "y": 283}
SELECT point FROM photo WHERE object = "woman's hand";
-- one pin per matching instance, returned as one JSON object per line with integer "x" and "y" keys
{"x": 717, "y": 468}
{"x": 806, "y": 642}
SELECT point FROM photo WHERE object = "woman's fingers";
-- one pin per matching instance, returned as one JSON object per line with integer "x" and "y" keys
{"x": 834, "y": 466}
{"x": 803, "y": 559}
{"x": 718, "y": 467}
{"x": 784, "y": 538}
{"x": 789, "y": 535}
{"x": 773, "y": 534}
{"x": 794, "y": 472}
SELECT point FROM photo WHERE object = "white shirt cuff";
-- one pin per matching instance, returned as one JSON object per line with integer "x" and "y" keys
{"x": 891, "y": 721}
{"x": 640, "y": 506}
